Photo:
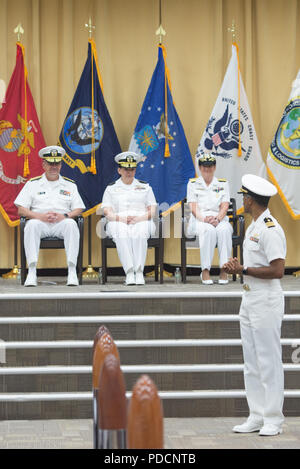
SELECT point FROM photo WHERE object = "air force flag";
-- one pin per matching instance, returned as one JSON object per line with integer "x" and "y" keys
{"x": 89, "y": 137}
{"x": 159, "y": 138}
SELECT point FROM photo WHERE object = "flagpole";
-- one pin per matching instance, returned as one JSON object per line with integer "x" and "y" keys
{"x": 161, "y": 32}
{"x": 232, "y": 30}
{"x": 90, "y": 272}
{"x": 13, "y": 274}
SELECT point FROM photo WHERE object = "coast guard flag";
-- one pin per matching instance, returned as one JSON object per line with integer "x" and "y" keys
{"x": 21, "y": 139}
{"x": 230, "y": 134}
{"x": 89, "y": 137}
{"x": 159, "y": 138}
{"x": 283, "y": 162}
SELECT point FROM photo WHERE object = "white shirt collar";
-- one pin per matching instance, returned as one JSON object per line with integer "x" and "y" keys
{"x": 214, "y": 181}
{"x": 261, "y": 217}
{"x": 58, "y": 181}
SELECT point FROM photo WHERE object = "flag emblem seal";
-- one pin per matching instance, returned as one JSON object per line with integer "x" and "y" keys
{"x": 78, "y": 131}
{"x": 146, "y": 140}
{"x": 12, "y": 139}
{"x": 285, "y": 147}
{"x": 222, "y": 134}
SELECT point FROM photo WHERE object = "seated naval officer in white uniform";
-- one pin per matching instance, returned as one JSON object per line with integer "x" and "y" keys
{"x": 209, "y": 199}
{"x": 129, "y": 206}
{"x": 262, "y": 309}
{"x": 50, "y": 202}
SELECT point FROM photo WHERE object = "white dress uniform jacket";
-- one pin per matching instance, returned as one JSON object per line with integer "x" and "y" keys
{"x": 209, "y": 198}
{"x": 42, "y": 196}
{"x": 261, "y": 314}
{"x": 131, "y": 240}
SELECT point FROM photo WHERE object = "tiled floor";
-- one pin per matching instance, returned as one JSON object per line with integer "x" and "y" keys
{"x": 197, "y": 433}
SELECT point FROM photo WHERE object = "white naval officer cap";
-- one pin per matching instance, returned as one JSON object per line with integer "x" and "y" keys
{"x": 128, "y": 159}
{"x": 207, "y": 160}
{"x": 257, "y": 186}
{"x": 52, "y": 154}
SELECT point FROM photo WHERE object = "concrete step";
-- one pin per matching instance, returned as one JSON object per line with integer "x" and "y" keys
{"x": 204, "y": 326}
{"x": 126, "y": 303}
{"x": 198, "y": 372}
{"x": 122, "y": 304}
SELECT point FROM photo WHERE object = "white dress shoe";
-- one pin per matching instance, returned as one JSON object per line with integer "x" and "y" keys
{"x": 206, "y": 282}
{"x": 72, "y": 279}
{"x": 139, "y": 278}
{"x": 249, "y": 426}
{"x": 270, "y": 430}
{"x": 31, "y": 280}
{"x": 222, "y": 281}
{"x": 130, "y": 278}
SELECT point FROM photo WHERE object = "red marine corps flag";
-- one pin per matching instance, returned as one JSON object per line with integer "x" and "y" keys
{"x": 20, "y": 140}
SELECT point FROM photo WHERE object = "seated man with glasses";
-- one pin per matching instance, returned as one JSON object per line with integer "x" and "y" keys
{"x": 50, "y": 202}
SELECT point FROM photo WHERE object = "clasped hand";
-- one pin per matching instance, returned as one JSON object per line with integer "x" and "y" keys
{"x": 51, "y": 217}
{"x": 212, "y": 220}
{"x": 130, "y": 220}
{"x": 233, "y": 266}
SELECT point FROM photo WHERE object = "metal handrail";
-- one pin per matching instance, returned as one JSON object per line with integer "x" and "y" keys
{"x": 109, "y": 319}
{"x": 151, "y": 343}
{"x": 128, "y": 369}
{"x": 131, "y": 295}
{"x": 88, "y": 396}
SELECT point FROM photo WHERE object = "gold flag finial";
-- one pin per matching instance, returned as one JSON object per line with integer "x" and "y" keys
{"x": 89, "y": 26}
{"x": 19, "y": 30}
{"x": 160, "y": 32}
{"x": 232, "y": 30}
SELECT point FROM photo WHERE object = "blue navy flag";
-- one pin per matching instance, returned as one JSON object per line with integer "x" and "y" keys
{"x": 159, "y": 138}
{"x": 89, "y": 137}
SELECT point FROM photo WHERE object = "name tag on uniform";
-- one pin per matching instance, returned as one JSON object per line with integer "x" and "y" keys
{"x": 140, "y": 188}
{"x": 41, "y": 193}
{"x": 62, "y": 192}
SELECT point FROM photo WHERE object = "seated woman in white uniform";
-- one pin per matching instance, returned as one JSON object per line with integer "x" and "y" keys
{"x": 209, "y": 199}
{"x": 129, "y": 206}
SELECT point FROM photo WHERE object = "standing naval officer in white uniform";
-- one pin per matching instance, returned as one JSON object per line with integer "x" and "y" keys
{"x": 261, "y": 310}
{"x": 129, "y": 206}
{"x": 50, "y": 201}
{"x": 209, "y": 200}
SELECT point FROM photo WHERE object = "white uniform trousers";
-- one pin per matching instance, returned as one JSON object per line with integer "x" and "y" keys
{"x": 66, "y": 229}
{"x": 131, "y": 242}
{"x": 210, "y": 237}
{"x": 261, "y": 316}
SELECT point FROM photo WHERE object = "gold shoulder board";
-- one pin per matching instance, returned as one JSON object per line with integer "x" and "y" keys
{"x": 269, "y": 222}
{"x": 71, "y": 180}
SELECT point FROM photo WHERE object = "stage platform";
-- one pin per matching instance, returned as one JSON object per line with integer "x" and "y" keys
{"x": 116, "y": 284}
{"x": 186, "y": 337}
